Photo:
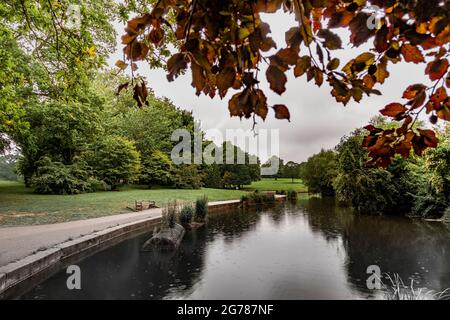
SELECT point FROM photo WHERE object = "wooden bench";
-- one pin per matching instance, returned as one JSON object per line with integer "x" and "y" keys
{"x": 144, "y": 205}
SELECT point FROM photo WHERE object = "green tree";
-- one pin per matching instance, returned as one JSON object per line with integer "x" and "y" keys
{"x": 320, "y": 171}
{"x": 58, "y": 130}
{"x": 115, "y": 161}
{"x": 236, "y": 174}
{"x": 291, "y": 170}
{"x": 374, "y": 190}
{"x": 434, "y": 198}
{"x": 156, "y": 169}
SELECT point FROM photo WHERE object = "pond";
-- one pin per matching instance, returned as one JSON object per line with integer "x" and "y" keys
{"x": 310, "y": 250}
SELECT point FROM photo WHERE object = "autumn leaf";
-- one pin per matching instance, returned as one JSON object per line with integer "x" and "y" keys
{"x": 277, "y": 79}
{"x": 381, "y": 74}
{"x": 225, "y": 80}
{"x": 333, "y": 64}
{"x": 288, "y": 56}
{"x": 331, "y": 40}
{"x": 175, "y": 65}
{"x": 381, "y": 39}
{"x": 198, "y": 78}
{"x": 156, "y": 36}
{"x": 281, "y": 112}
{"x": 411, "y": 91}
{"x": 393, "y": 110}
{"x": 412, "y": 53}
{"x": 436, "y": 69}
{"x": 121, "y": 65}
{"x": 303, "y": 64}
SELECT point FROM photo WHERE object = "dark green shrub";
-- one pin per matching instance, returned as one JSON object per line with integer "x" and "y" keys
{"x": 54, "y": 177}
{"x": 201, "y": 208}
{"x": 186, "y": 214}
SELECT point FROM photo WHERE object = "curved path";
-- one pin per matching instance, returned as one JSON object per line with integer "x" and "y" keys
{"x": 19, "y": 242}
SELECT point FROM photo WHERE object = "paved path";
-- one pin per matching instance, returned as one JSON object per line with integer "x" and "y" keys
{"x": 19, "y": 242}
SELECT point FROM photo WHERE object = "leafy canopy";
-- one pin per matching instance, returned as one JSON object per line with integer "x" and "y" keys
{"x": 224, "y": 43}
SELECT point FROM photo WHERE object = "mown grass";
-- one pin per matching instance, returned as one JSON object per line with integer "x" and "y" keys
{"x": 279, "y": 184}
{"x": 20, "y": 206}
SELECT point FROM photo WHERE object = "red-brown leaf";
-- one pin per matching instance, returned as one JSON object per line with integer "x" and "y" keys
{"x": 282, "y": 112}
{"x": 393, "y": 110}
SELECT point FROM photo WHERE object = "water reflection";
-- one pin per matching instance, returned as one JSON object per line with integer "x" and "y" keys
{"x": 310, "y": 250}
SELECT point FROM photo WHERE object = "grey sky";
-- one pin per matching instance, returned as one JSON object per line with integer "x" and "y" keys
{"x": 317, "y": 121}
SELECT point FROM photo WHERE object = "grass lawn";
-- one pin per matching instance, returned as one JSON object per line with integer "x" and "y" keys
{"x": 279, "y": 184}
{"x": 20, "y": 206}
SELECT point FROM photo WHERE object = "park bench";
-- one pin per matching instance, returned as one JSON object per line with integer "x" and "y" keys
{"x": 143, "y": 205}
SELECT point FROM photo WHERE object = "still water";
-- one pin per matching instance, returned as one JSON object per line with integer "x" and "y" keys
{"x": 311, "y": 250}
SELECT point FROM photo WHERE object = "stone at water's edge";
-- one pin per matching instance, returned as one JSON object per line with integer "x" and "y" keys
{"x": 165, "y": 239}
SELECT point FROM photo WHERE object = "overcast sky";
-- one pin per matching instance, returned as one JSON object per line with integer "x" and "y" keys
{"x": 317, "y": 121}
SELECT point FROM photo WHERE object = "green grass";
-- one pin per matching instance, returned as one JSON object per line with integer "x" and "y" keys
{"x": 20, "y": 206}
{"x": 279, "y": 184}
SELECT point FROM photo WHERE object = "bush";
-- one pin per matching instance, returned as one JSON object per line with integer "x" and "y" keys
{"x": 170, "y": 215}
{"x": 292, "y": 195}
{"x": 186, "y": 214}
{"x": 201, "y": 208}
{"x": 56, "y": 178}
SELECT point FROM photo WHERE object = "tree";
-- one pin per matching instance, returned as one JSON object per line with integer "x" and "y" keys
{"x": 58, "y": 130}
{"x": 374, "y": 190}
{"x": 156, "y": 169}
{"x": 225, "y": 42}
{"x": 319, "y": 173}
{"x": 291, "y": 170}
{"x": 368, "y": 190}
{"x": 44, "y": 58}
{"x": 115, "y": 161}
{"x": 238, "y": 174}
{"x": 434, "y": 197}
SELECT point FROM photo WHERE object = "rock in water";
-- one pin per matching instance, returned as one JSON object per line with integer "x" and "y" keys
{"x": 165, "y": 239}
